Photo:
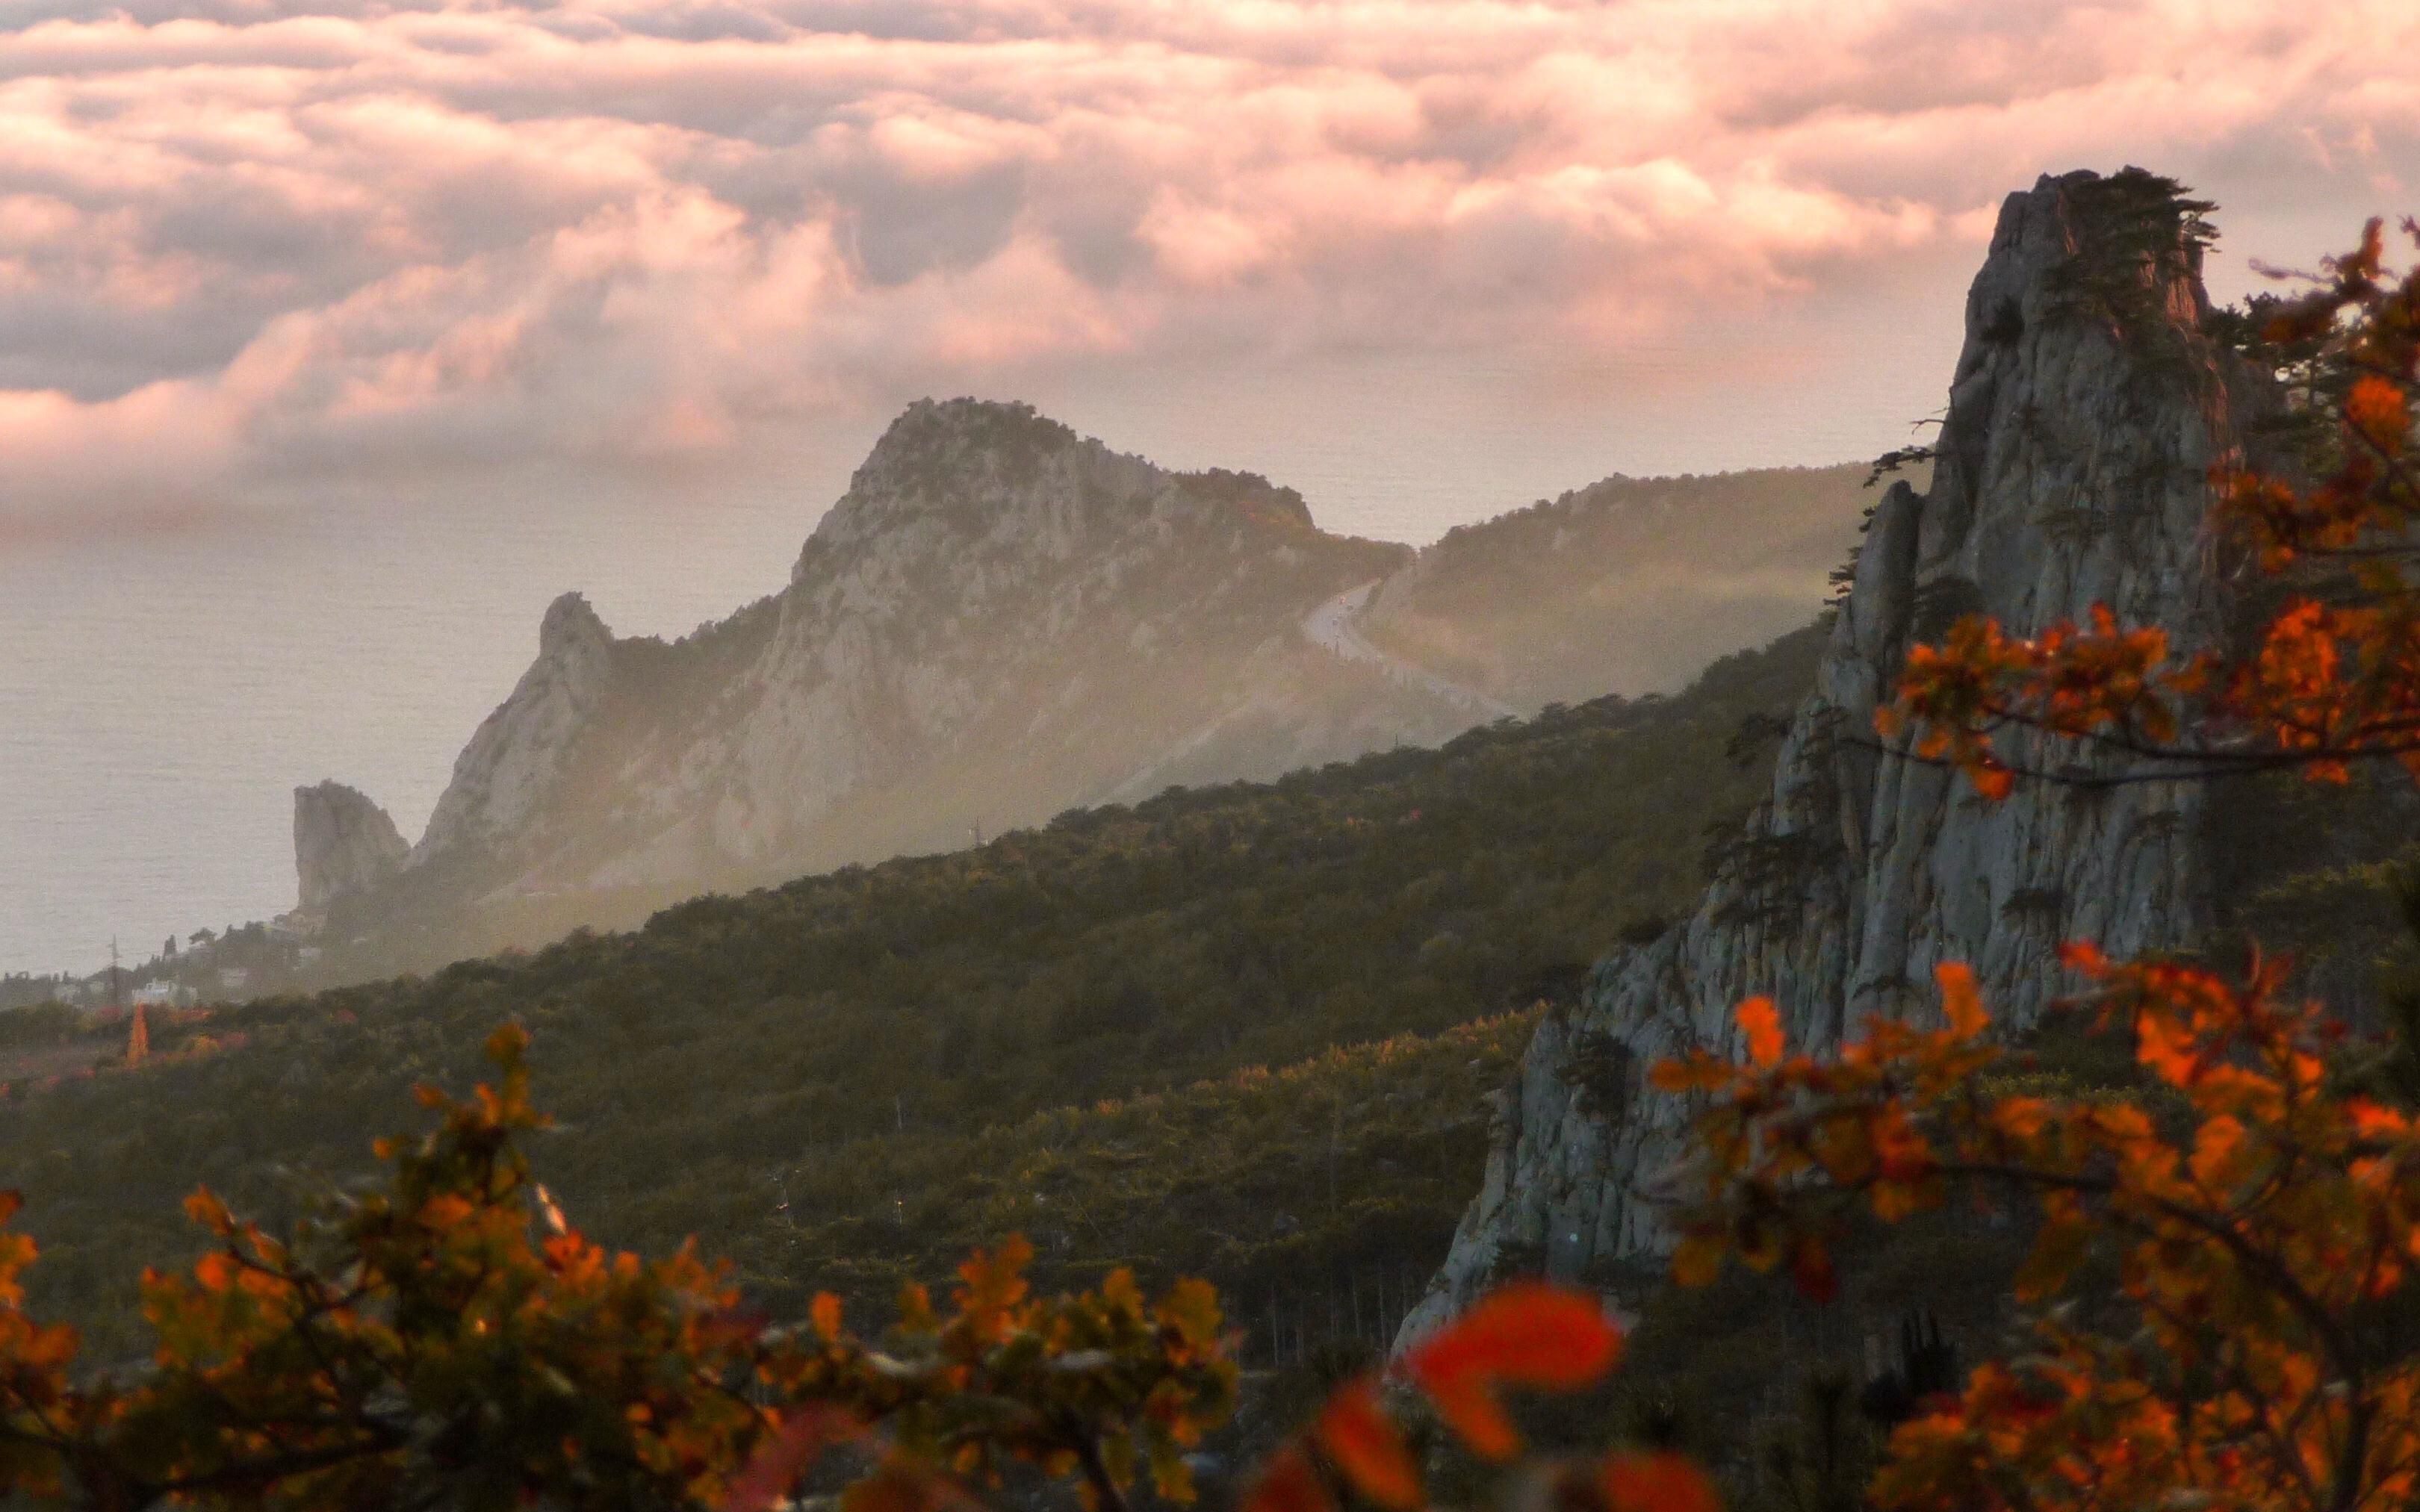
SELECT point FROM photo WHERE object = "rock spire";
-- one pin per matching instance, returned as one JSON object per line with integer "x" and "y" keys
{"x": 2086, "y": 413}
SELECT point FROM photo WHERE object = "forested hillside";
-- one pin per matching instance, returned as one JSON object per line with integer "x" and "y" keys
{"x": 1626, "y": 585}
{"x": 845, "y": 1079}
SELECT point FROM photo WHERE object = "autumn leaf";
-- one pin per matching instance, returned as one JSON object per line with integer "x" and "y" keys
{"x": 993, "y": 1284}
{"x": 1761, "y": 1021}
{"x": 1364, "y": 1443}
{"x": 2217, "y": 1149}
{"x": 1190, "y": 1310}
{"x": 898, "y": 1485}
{"x": 1656, "y": 1482}
{"x": 1696, "y": 1261}
{"x": 1960, "y": 1002}
{"x": 764, "y": 1483}
{"x": 204, "y": 1208}
{"x": 1992, "y": 780}
{"x": 2377, "y": 409}
{"x": 824, "y": 1312}
{"x": 1531, "y": 1335}
{"x": 1810, "y": 1268}
{"x": 1288, "y": 1482}
{"x": 2056, "y": 1251}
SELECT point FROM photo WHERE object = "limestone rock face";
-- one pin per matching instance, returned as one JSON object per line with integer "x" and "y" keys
{"x": 518, "y": 750}
{"x": 998, "y": 620}
{"x": 343, "y": 842}
{"x": 2084, "y": 415}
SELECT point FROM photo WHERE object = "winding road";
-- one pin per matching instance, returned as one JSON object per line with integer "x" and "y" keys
{"x": 1335, "y": 626}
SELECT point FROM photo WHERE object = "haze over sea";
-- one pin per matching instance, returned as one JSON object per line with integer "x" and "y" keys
{"x": 164, "y": 689}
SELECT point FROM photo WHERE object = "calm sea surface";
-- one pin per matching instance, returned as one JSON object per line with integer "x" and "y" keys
{"x": 161, "y": 692}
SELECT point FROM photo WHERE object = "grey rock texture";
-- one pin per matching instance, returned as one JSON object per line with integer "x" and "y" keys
{"x": 343, "y": 842}
{"x": 998, "y": 619}
{"x": 518, "y": 751}
{"x": 2084, "y": 415}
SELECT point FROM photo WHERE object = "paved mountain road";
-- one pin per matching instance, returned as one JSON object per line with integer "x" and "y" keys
{"x": 1335, "y": 626}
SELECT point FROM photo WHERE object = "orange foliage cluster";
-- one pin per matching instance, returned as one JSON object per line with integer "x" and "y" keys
{"x": 2259, "y": 1213}
{"x": 452, "y": 1340}
{"x": 2335, "y": 677}
{"x": 2266, "y": 1242}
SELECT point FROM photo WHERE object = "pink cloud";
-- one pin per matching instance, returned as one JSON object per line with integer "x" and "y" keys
{"x": 231, "y": 249}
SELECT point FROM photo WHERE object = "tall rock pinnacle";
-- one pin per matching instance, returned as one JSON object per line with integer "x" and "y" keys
{"x": 2086, "y": 413}
{"x": 514, "y": 760}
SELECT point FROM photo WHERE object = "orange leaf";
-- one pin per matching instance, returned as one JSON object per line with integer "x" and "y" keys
{"x": 1960, "y": 1003}
{"x": 777, "y": 1466}
{"x": 1660, "y": 1482}
{"x": 2376, "y": 407}
{"x": 993, "y": 1284}
{"x": 1810, "y": 1266}
{"x": 824, "y": 1314}
{"x": 1288, "y": 1484}
{"x": 1364, "y": 1443}
{"x": 1696, "y": 1261}
{"x": 204, "y": 1208}
{"x": 2217, "y": 1149}
{"x": 1530, "y": 1335}
{"x": 2085, "y": 957}
{"x": 898, "y": 1485}
{"x": 1992, "y": 780}
{"x": 1761, "y": 1022}
{"x": 1469, "y": 1407}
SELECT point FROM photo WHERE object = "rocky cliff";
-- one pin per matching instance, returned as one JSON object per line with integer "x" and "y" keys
{"x": 2084, "y": 414}
{"x": 343, "y": 843}
{"x": 998, "y": 619}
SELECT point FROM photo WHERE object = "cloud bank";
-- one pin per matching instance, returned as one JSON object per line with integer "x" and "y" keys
{"x": 246, "y": 242}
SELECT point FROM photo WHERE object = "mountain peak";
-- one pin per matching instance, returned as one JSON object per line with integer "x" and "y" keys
{"x": 956, "y": 483}
{"x": 571, "y": 622}
{"x": 997, "y": 423}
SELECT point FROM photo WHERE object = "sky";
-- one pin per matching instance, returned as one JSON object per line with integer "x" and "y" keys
{"x": 258, "y": 254}
{"x": 336, "y": 339}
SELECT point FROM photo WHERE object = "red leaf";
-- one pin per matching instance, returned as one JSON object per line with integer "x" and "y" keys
{"x": 783, "y": 1458}
{"x": 1532, "y": 1334}
{"x": 1810, "y": 1266}
{"x": 1289, "y": 1484}
{"x": 1660, "y": 1482}
{"x": 1364, "y": 1443}
{"x": 825, "y": 1312}
{"x": 1761, "y": 1022}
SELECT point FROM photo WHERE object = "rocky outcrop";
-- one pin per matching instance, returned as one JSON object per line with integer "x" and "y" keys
{"x": 998, "y": 619}
{"x": 2084, "y": 415}
{"x": 517, "y": 753}
{"x": 343, "y": 843}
